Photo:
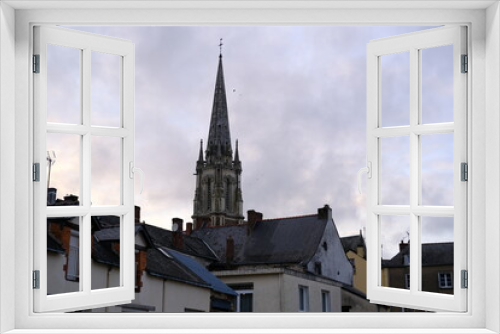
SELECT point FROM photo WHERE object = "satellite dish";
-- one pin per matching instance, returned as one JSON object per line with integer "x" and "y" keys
{"x": 175, "y": 227}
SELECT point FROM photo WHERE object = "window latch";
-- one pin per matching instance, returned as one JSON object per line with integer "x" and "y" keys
{"x": 133, "y": 170}
{"x": 367, "y": 170}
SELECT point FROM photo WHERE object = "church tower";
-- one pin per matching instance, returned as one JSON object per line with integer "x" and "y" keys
{"x": 218, "y": 199}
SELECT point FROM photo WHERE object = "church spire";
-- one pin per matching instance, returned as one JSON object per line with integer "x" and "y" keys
{"x": 218, "y": 199}
{"x": 219, "y": 134}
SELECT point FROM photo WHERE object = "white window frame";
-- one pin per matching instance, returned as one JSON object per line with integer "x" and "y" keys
{"x": 238, "y": 298}
{"x": 483, "y": 19}
{"x": 413, "y": 44}
{"x": 87, "y": 44}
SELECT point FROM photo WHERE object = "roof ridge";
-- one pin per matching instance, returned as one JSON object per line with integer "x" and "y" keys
{"x": 291, "y": 217}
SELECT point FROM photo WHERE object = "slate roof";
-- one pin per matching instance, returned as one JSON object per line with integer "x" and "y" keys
{"x": 164, "y": 265}
{"x": 191, "y": 245}
{"x": 273, "y": 241}
{"x": 435, "y": 254}
{"x": 352, "y": 242}
{"x": 195, "y": 267}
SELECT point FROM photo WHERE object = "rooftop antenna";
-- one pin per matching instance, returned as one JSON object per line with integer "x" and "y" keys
{"x": 51, "y": 160}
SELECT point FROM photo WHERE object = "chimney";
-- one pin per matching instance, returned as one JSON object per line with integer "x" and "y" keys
{"x": 325, "y": 212}
{"x": 137, "y": 214}
{"x": 71, "y": 200}
{"x": 229, "y": 249}
{"x": 253, "y": 217}
{"x": 51, "y": 196}
{"x": 177, "y": 233}
{"x": 403, "y": 245}
{"x": 189, "y": 228}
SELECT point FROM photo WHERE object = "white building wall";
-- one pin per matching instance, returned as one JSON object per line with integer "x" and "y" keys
{"x": 179, "y": 297}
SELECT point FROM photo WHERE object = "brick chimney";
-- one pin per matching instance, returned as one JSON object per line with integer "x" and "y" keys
{"x": 189, "y": 228}
{"x": 403, "y": 245}
{"x": 325, "y": 212}
{"x": 253, "y": 217}
{"x": 137, "y": 214}
{"x": 229, "y": 249}
{"x": 177, "y": 237}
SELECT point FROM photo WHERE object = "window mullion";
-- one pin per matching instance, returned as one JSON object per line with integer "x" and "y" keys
{"x": 414, "y": 171}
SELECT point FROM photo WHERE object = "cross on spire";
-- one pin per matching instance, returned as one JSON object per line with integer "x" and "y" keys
{"x": 220, "y": 47}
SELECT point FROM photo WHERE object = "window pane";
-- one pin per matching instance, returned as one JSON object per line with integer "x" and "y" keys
{"x": 437, "y": 84}
{"x": 63, "y": 256}
{"x": 246, "y": 302}
{"x": 395, "y": 251}
{"x": 106, "y": 252}
{"x": 437, "y": 169}
{"x": 106, "y": 90}
{"x": 106, "y": 170}
{"x": 395, "y": 89}
{"x": 63, "y": 85}
{"x": 63, "y": 169}
{"x": 437, "y": 254}
{"x": 395, "y": 171}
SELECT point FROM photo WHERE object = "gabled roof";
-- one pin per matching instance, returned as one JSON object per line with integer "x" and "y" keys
{"x": 272, "y": 241}
{"x": 435, "y": 254}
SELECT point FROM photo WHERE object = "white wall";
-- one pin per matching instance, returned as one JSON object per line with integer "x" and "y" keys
{"x": 7, "y": 159}
{"x": 179, "y": 296}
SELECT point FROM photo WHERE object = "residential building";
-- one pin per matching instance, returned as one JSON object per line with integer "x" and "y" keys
{"x": 294, "y": 264}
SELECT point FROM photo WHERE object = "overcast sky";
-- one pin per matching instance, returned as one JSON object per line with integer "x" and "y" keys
{"x": 297, "y": 104}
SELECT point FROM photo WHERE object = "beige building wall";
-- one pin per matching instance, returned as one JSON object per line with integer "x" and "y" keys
{"x": 266, "y": 290}
{"x": 279, "y": 292}
{"x": 359, "y": 277}
{"x": 179, "y": 297}
{"x": 291, "y": 294}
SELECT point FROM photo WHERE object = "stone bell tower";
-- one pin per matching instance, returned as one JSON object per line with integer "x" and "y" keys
{"x": 218, "y": 199}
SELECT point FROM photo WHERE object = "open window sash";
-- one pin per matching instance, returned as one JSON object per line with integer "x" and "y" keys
{"x": 378, "y": 289}
{"x": 80, "y": 215}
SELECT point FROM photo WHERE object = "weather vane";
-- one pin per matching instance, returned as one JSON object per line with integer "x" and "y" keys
{"x": 220, "y": 46}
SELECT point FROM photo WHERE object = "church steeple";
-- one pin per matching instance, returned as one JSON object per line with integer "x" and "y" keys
{"x": 218, "y": 199}
{"x": 219, "y": 136}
